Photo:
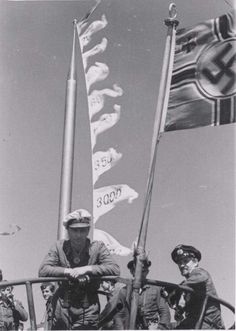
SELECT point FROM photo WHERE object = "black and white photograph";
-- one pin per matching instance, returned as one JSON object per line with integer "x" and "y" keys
{"x": 117, "y": 164}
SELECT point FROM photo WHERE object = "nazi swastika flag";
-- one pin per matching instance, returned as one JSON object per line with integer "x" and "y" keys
{"x": 203, "y": 86}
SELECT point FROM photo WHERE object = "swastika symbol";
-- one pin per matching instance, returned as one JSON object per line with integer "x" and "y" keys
{"x": 224, "y": 69}
{"x": 217, "y": 69}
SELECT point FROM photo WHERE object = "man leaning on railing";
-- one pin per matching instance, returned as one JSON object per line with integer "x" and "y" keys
{"x": 188, "y": 306}
{"x": 75, "y": 303}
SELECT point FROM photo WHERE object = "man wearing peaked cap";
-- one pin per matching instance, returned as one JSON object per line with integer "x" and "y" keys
{"x": 80, "y": 218}
{"x": 185, "y": 251}
{"x": 188, "y": 305}
{"x": 131, "y": 264}
{"x": 153, "y": 312}
{"x": 76, "y": 304}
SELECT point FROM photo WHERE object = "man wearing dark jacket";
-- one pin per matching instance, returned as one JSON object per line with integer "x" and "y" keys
{"x": 153, "y": 312}
{"x": 189, "y": 305}
{"x": 47, "y": 290}
{"x": 75, "y": 303}
{"x": 12, "y": 312}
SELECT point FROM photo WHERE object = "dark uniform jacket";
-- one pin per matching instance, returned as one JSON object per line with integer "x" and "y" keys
{"x": 11, "y": 315}
{"x": 201, "y": 281}
{"x": 76, "y": 306}
{"x": 152, "y": 308}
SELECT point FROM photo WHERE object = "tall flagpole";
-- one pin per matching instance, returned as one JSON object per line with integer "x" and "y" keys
{"x": 79, "y": 26}
{"x": 68, "y": 142}
{"x": 159, "y": 124}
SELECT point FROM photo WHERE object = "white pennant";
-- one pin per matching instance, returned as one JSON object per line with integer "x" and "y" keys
{"x": 99, "y": 48}
{"x": 95, "y": 26}
{"x": 103, "y": 161}
{"x": 112, "y": 244}
{"x": 106, "y": 198}
{"x": 96, "y": 73}
{"x": 97, "y": 98}
{"x": 105, "y": 122}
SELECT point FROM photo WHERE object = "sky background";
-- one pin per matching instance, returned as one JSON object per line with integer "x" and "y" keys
{"x": 194, "y": 190}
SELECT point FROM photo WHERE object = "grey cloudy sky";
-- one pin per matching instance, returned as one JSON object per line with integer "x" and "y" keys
{"x": 194, "y": 191}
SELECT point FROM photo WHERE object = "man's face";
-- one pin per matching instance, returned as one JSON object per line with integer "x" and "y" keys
{"x": 145, "y": 271}
{"x": 47, "y": 293}
{"x": 186, "y": 265}
{"x": 7, "y": 291}
{"x": 78, "y": 234}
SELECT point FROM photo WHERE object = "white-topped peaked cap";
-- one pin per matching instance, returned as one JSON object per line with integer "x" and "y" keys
{"x": 79, "y": 218}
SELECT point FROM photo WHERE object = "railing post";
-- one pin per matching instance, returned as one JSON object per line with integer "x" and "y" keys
{"x": 30, "y": 299}
{"x": 199, "y": 322}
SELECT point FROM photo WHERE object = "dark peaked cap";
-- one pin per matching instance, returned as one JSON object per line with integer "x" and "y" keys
{"x": 182, "y": 251}
{"x": 131, "y": 264}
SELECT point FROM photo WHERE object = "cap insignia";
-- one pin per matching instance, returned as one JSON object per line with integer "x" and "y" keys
{"x": 179, "y": 251}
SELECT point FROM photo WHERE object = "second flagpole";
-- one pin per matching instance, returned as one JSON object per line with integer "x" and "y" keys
{"x": 160, "y": 116}
{"x": 68, "y": 142}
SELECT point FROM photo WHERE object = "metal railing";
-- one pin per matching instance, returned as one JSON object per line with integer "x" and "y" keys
{"x": 128, "y": 281}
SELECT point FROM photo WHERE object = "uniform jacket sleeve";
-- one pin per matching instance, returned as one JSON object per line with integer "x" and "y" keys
{"x": 197, "y": 280}
{"x": 54, "y": 262}
{"x": 197, "y": 276}
{"x": 101, "y": 260}
{"x": 20, "y": 312}
{"x": 164, "y": 312}
{"x": 120, "y": 318}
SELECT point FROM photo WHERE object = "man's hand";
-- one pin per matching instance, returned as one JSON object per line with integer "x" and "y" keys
{"x": 141, "y": 253}
{"x": 9, "y": 299}
{"x": 76, "y": 272}
{"x": 179, "y": 314}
